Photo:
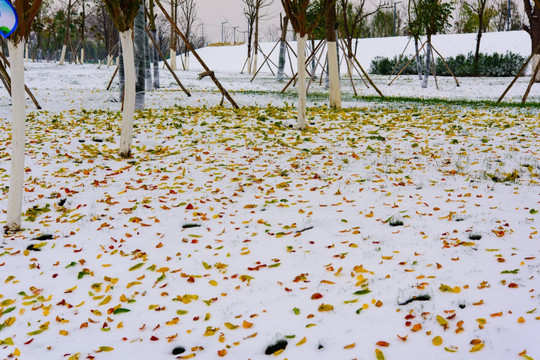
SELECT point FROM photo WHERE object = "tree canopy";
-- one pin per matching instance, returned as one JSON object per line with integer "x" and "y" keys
{"x": 123, "y": 12}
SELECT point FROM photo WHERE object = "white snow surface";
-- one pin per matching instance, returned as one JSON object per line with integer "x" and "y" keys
{"x": 379, "y": 232}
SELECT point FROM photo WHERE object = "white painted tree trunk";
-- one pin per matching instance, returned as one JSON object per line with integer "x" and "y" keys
{"x": 173, "y": 59}
{"x": 26, "y": 52}
{"x": 534, "y": 63}
{"x": 302, "y": 96}
{"x": 254, "y": 64}
{"x": 249, "y": 65}
{"x": 63, "y": 56}
{"x": 16, "y": 177}
{"x": 428, "y": 63}
{"x": 82, "y": 56}
{"x": 335, "y": 92}
{"x": 129, "y": 93}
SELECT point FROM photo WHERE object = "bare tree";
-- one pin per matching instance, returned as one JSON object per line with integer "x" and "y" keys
{"x": 353, "y": 17}
{"x": 66, "y": 38}
{"x": 255, "y": 11}
{"x": 296, "y": 11}
{"x": 188, "y": 16}
{"x": 123, "y": 13}
{"x": 250, "y": 13}
{"x": 479, "y": 8}
{"x": 532, "y": 10}
{"x": 333, "y": 66}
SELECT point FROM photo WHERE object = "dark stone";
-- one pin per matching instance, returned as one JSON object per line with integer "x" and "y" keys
{"x": 32, "y": 248}
{"x": 62, "y": 202}
{"x": 178, "y": 350}
{"x": 44, "y": 237}
{"x": 279, "y": 345}
{"x": 189, "y": 226}
{"x": 416, "y": 298}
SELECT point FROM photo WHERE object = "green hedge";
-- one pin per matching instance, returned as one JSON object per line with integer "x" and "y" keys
{"x": 492, "y": 65}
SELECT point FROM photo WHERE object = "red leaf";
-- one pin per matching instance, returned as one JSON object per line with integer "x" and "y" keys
{"x": 189, "y": 207}
{"x": 153, "y": 338}
{"x": 316, "y": 296}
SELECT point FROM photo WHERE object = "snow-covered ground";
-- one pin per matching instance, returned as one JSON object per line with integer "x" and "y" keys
{"x": 384, "y": 231}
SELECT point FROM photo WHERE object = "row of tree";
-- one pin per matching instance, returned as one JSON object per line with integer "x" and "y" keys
{"x": 83, "y": 30}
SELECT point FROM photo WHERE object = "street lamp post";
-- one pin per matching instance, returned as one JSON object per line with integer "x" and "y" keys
{"x": 223, "y": 31}
{"x": 234, "y": 34}
{"x": 394, "y": 28}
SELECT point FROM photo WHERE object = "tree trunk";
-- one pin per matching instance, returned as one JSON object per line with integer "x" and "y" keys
{"x": 156, "y": 63}
{"x": 63, "y": 55}
{"x": 533, "y": 14}
{"x": 147, "y": 59}
{"x": 66, "y": 39}
{"x": 333, "y": 67}
{"x": 428, "y": 63}
{"x": 478, "y": 39}
{"x": 256, "y": 40}
{"x": 282, "y": 50}
{"x": 418, "y": 63}
{"x": 172, "y": 47}
{"x": 16, "y": 177}
{"x": 82, "y": 55}
{"x": 155, "y": 52}
{"x": 302, "y": 95}
{"x": 129, "y": 94}
{"x": 139, "y": 58}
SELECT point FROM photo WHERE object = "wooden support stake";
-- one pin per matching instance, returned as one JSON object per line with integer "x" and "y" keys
{"x": 533, "y": 79}
{"x": 165, "y": 62}
{"x": 447, "y": 67}
{"x": 407, "y": 64}
{"x": 28, "y": 91}
{"x": 519, "y": 73}
{"x": 188, "y": 45}
{"x": 112, "y": 78}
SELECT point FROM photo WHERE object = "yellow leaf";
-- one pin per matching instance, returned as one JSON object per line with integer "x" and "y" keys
{"x": 230, "y": 326}
{"x": 63, "y": 332}
{"x": 379, "y": 354}
{"x": 302, "y": 342}
{"x": 437, "y": 340}
{"x": 477, "y": 347}
{"x": 442, "y": 321}
{"x": 350, "y": 346}
{"x": 450, "y": 350}
{"x": 213, "y": 282}
{"x": 325, "y": 307}
{"x": 74, "y": 356}
{"x": 17, "y": 352}
{"x": 106, "y": 300}
{"x": 106, "y": 348}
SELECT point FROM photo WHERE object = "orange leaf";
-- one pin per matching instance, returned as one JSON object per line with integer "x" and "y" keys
{"x": 382, "y": 344}
{"x": 316, "y": 296}
{"x": 350, "y": 346}
{"x": 417, "y": 327}
{"x": 222, "y": 352}
{"x": 246, "y": 324}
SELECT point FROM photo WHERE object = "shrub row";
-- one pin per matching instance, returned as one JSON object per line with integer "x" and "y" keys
{"x": 492, "y": 65}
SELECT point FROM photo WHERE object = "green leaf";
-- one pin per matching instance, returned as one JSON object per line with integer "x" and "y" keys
{"x": 362, "y": 292}
{"x": 73, "y": 263}
{"x": 135, "y": 267}
{"x": 296, "y": 311}
{"x": 8, "y": 310}
{"x": 510, "y": 271}
{"x": 533, "y": 211}
{"x": 120, "y": 311}
{"x": 181, "y": 312}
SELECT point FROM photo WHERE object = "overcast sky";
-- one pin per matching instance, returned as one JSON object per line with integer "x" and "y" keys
{"x": 213, "y": 12}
